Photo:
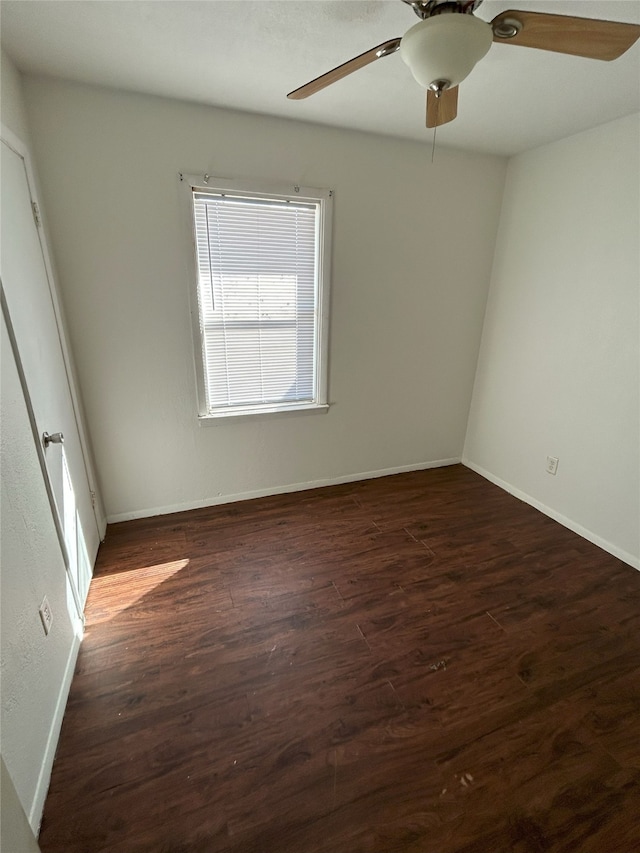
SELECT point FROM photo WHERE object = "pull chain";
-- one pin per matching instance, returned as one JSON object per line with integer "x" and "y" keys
{"x": 438, "y": 94}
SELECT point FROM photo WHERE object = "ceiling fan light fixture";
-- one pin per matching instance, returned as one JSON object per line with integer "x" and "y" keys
{"x": 445, "y": 47}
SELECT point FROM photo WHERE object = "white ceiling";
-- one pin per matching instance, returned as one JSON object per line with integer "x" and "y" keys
{"x": 248, "y": 55}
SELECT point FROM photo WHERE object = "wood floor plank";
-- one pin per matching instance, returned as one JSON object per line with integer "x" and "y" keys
{"x": 415, "y": 663}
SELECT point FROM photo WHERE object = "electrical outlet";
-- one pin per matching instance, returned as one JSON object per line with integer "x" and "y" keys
{"x": 552, "y": 464}
{"x": 46, "y": 616}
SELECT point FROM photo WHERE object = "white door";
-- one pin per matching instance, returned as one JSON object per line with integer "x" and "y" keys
{"x": 32, "y": 315}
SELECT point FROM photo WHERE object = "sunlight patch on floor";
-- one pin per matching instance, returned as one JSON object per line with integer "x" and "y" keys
{"x": 111, "y": 594}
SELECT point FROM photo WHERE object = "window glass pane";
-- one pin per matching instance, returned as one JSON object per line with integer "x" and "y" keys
{"x": 258, "y": 299}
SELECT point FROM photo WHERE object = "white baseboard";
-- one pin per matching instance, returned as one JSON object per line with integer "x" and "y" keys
{"x": 37, "y": 807}
{"x": 634, "y": 562}
{"x": 280, "y": 490}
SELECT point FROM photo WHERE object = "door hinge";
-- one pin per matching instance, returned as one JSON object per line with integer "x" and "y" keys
{"x": 93, "y": 499}
{"x": 36, "y": 213}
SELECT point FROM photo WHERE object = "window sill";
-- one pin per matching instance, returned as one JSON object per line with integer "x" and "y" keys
{"x": 268, "y": 411}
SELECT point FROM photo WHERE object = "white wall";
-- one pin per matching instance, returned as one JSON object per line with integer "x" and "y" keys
{"x": 35, "y": 669}
{"x": 558, "y": 367}
{"x": 16, "y": 835}
{"x": 13, "y": 113}
{"x": 412, "y": 253}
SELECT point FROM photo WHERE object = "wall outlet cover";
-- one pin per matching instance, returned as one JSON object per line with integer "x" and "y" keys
{"x": 46, "y": 616}
{"x": 552, "y": 464}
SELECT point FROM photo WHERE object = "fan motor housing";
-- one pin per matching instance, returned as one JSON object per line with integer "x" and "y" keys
{"x": 427, "y": 8}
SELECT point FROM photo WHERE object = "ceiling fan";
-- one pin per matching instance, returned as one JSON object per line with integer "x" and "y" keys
{"x": 442, "y": 49}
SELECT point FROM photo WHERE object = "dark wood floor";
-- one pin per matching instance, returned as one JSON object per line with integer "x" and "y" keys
{"x": 418, "y": 663}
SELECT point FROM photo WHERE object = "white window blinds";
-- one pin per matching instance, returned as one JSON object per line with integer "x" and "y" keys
{"x": 258, "y": 295}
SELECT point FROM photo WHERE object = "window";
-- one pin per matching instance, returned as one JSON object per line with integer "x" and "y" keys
{"x": 260, "y": 306}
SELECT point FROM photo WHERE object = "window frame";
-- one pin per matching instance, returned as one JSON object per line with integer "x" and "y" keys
{"x": 323, "y": 198}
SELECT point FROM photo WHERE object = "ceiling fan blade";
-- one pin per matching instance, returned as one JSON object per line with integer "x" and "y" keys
{"x": 443, "y": 109}
{"x": 384, "y": 49}
{"x": 587, "y": 37}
